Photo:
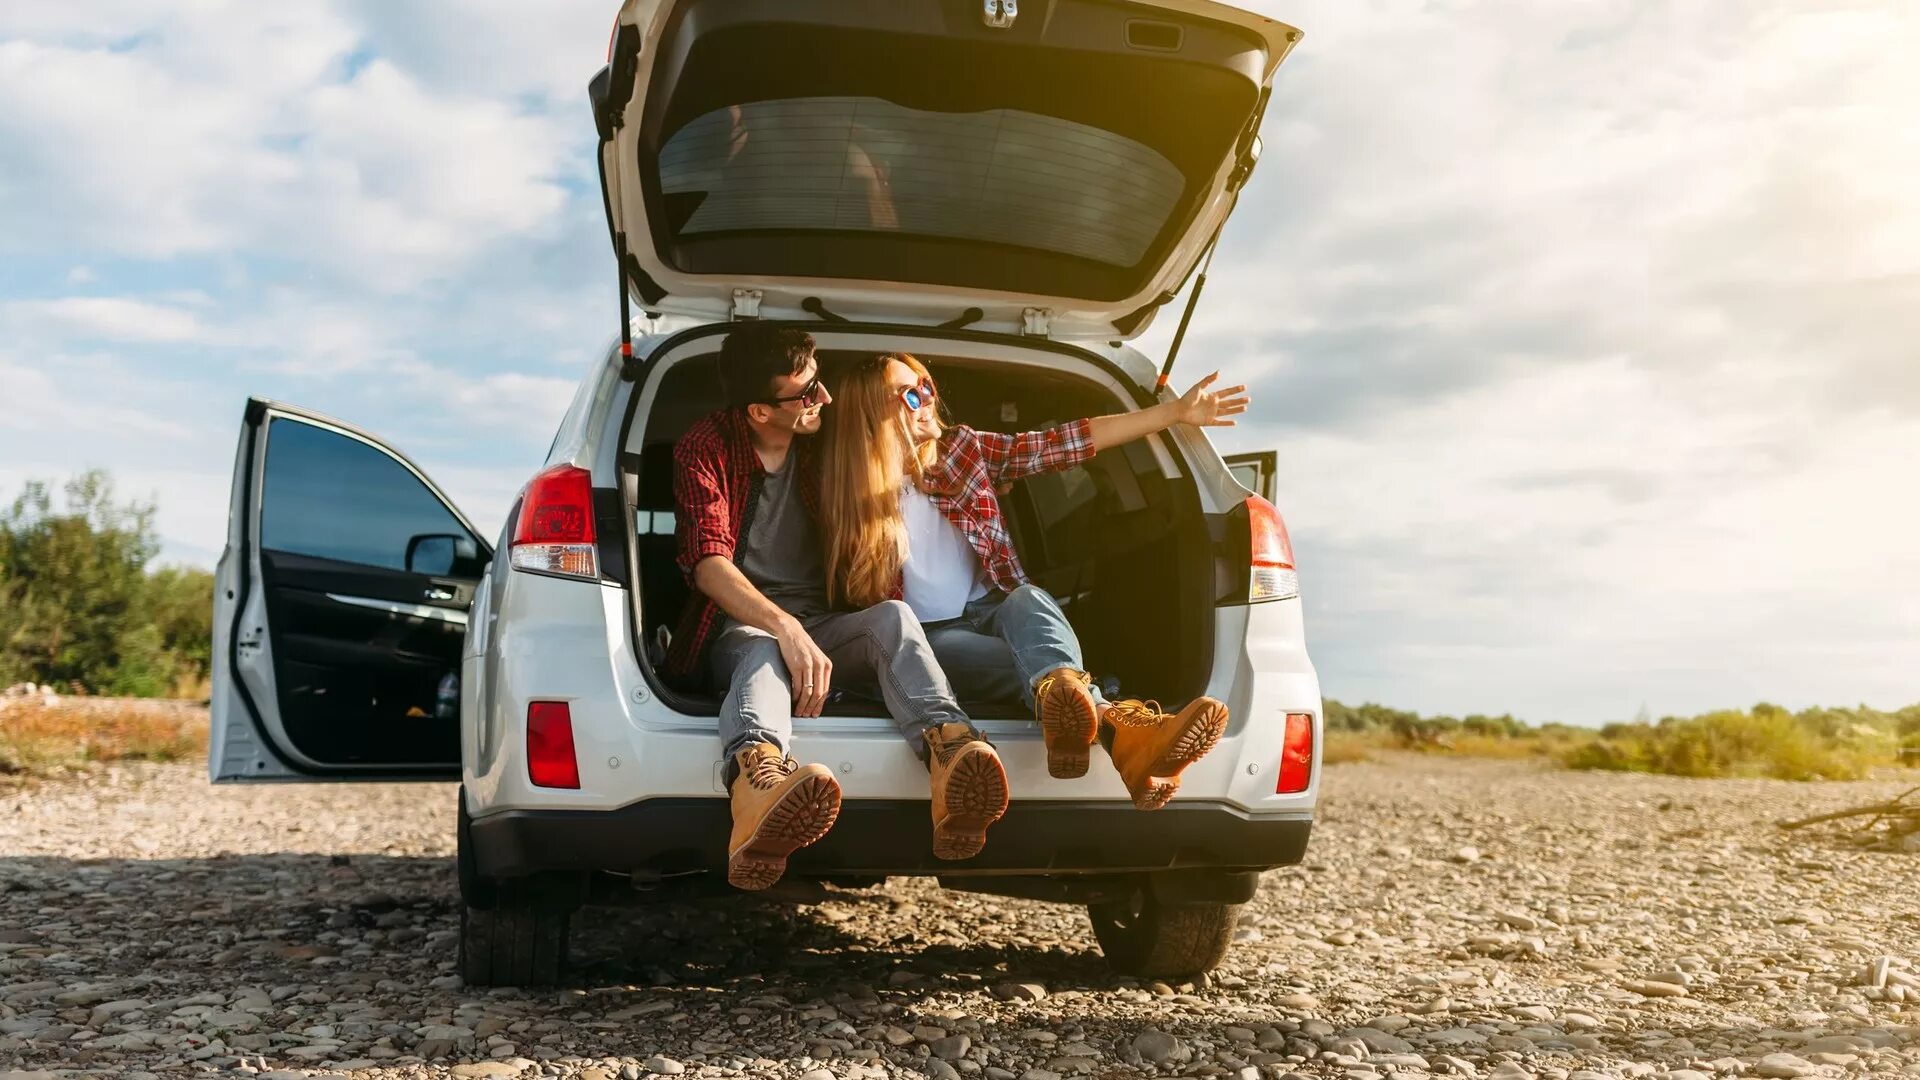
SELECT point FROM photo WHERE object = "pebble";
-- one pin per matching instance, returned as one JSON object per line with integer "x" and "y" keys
{"x": 664, "y": 1066}
{"x": 952, "y": 1047}
{"x": 1783, "y": 1066}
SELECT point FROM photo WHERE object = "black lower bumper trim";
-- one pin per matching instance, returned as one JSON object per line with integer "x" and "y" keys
{"x": 895, "y": 837}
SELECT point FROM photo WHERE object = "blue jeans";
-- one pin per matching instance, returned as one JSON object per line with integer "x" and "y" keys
{"x": 1001, "y": 645}
{"x": 879, "y": 651}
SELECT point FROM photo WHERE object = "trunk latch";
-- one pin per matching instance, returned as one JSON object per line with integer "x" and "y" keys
{"x": 1036, "y": 322}
{"x": 746, "y": 304}
{"x": 1000, "y": 14}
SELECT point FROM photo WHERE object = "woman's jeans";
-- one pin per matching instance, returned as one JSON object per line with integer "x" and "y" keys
{"x": 1000, "y": 646}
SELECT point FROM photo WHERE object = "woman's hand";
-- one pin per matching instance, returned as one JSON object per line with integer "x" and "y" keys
{"x": 1202, "y": 407}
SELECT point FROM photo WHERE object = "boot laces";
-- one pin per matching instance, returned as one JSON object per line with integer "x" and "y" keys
{"x": 1048, "y": 680}
{"x": 1135, "y": 714}
{"x": 945, "y": 746}
{"x": 767, "y": 770}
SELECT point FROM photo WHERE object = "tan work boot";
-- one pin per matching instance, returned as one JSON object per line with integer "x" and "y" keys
{"x": 969, "y": 790}
{"x": 1064, "y": 706}
{"x": 779, "y": 806}
{"x": 1151, "y": 749}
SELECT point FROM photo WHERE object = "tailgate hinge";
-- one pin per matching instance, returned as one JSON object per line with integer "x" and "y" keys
{"x": 746, "y": 304}
{"x": 1000, "y": 14}
{"x": 1036, "y": 322}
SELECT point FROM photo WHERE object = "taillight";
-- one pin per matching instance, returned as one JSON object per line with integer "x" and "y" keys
{"x": 550, "y": 761}
{"x": 1296, "y": 755}
{"x": 554, "y": 533}
{"x": 1272, "y": 576}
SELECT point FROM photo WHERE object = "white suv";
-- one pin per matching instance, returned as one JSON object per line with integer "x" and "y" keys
{"x": 1009, "y": 195}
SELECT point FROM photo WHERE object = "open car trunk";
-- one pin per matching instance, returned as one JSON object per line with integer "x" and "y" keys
{"x": 1105, "y": 538}
{"x": 1057, "y": 162}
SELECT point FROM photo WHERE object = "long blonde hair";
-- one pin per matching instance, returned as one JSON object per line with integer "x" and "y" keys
{"x": 866, "y": 456}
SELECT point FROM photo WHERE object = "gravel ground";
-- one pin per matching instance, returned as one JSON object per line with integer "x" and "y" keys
{"x": 1458, "y": 918}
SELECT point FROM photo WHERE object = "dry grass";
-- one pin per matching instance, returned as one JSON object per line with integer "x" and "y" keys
{"x": 1344, "y": 747}
{"x": 37, "y": 739}
{"x": 1349, "y": 746}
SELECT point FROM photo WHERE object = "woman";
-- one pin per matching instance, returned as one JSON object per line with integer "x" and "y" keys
{"x": 910, "y": 510}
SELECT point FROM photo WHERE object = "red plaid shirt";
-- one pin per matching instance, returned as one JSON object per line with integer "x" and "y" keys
{"x": 716, "y": 478}
{"x": 971, "y": 467}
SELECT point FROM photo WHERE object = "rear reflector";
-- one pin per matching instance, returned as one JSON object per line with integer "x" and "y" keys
{"x": 1272, "y": 576}
{"x": 550, "y": 761}
{"x": 554, "y": 532}
{"x": 1296, "y": 755}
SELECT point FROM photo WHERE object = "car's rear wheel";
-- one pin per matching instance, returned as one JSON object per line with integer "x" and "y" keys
{"x": 517, "y": 942}
{"x": 1145, "y": 935}
{"x": 512, "y": 933}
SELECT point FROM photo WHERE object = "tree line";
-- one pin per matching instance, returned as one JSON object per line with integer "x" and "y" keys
{"x": 82, "y": 608}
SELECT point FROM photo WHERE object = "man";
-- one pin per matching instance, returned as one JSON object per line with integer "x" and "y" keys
{"x": 759, "y": 623}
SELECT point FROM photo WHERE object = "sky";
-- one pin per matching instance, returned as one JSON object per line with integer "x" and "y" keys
{"x": 1588, "y": 334}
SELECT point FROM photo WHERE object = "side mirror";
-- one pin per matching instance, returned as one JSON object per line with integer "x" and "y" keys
{"x": 441, "y": 554}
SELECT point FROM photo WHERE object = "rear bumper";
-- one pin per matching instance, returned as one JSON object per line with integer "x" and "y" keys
{"x": 895, "y": 837}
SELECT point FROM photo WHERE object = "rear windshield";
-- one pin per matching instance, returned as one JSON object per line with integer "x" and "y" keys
{"x": 865, "y": 164}
{"x": 890, "y": 142}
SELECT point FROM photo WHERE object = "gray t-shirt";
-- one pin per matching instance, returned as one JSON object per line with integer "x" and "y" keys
{"x": 781, "y": 552}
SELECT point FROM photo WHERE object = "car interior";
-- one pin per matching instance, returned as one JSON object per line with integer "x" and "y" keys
{"x": 1102, "y": 537}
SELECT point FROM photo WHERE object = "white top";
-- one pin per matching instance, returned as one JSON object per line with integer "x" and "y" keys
{"x": 943, "y": 573}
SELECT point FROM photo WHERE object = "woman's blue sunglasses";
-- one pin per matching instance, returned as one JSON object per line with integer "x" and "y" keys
{"x": 919, "y": 394}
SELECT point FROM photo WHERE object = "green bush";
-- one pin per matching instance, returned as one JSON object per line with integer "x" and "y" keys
{"x": 1767, "y": 740}
{"x": 78, "y": 608}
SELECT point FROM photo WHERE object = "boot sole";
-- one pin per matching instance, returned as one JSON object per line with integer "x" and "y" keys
{"x": 1158, "y": 792}
{"x": 1199, "y": 734}
{"x": 801, "y": 817}
{"x": 976, "y": 798}
{"x": 1068, "y": 722}
{"x": 1197, "y": 739}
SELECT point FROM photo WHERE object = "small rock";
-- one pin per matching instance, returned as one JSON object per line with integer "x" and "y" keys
{"x": 1876, "y": 976}
{"x": 951, "y": 1048}
{"x": 1467, "y": 855}
{"x": 1020, "y": 992}
{"x": 1157, "y": 1046}
{"x": 478, "y": 1069}
{"x": 664, "y": 1066}
{"x": 1783, "y": 1066}
{"x": 1650, "y": 988}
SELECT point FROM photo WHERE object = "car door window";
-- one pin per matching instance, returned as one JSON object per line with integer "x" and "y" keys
{"x": 329, "y": 495}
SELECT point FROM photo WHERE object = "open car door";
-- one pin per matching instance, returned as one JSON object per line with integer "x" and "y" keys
{"x": 340, "y": 607}
{"x": 1254, "y": 471}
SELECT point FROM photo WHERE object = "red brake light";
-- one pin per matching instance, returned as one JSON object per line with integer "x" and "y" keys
{"x": 1296, "y": 755}
{"x": 1272, "y": 575}
{"x": 554, "y": 533}
{"x": 550, "y": 760}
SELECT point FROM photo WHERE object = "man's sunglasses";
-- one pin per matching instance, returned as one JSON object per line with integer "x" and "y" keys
{"x": 921, "y": 393}
{"x": 808, "y": 396}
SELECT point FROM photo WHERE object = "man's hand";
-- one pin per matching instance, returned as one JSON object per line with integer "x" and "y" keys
{"x": 1202, "y": 407}
{"x": 807, "y": 667}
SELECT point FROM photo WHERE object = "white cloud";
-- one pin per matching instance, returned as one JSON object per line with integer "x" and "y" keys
{"x": 100, "y": 318}
{"x": 46, "y": 397}
{"x": 1586, "y": 336}
{"x": 238, "y": 127}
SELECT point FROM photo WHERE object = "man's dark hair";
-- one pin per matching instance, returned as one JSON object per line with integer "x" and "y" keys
{"x": 755, "y": 354}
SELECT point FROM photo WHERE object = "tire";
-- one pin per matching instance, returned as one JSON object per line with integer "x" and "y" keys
{"x": 475, "y": 891}
{"x": 1150, "y": 937}
{"x": 514, "y": 943}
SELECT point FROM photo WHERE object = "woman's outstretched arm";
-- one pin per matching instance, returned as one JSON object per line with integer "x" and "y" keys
{"x": 1199, "y": 406}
